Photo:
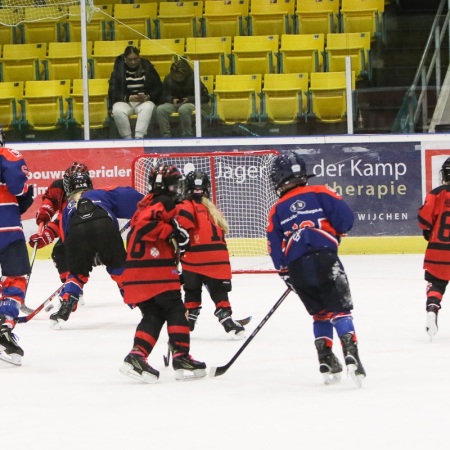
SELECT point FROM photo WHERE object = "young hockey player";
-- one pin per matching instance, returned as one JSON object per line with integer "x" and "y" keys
{"x": 16, "y": 196}
{"x": 304, "y": 230}
{"x": 152, "y": 282}
{"x": 433, "y": 220}
{"x": 54, "y": 200}
{"x": 91, "y": 235}
{"x": 206, "y": 261}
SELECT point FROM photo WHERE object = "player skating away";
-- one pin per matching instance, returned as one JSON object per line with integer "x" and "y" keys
{"x": 304, "y": 230}
{"x": 16, "y": 196}
{"x": 152, "y": 282}
{"x": 433, "y": 220}
{"x": 206, "y": 261}
{"x": 90, "y": 230}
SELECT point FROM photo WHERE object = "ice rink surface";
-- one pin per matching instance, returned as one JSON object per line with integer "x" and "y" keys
{"x": 68, "y": 394}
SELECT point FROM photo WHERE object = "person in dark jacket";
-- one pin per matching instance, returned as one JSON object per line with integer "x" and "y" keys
{"x": 135, "y": 87}
{"x": 179, "y": 96}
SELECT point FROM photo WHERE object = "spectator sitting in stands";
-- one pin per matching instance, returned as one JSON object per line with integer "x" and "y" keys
{"x": 134, "y": 88}
{"x": 179, "y": 96}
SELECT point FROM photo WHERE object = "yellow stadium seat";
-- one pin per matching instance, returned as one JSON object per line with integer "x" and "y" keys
{"x": 47, "y": 29}
{"x": 236, "y": 98}
{"x": 268, "y": 17}
{"x": 300, "y": 53}
{"x": 254, "y": 54}
{"x": 354, "y": 45}
{"x": 64, "y": 60}
{"x": 10, "y": 93}
{"x": 358, "y": 16}
{"x": 208, "y": 81}
{"x": 211, "y": 53}
{"x": 11, "y": 34}
{"x": 328, "y": 98}
{"x": 315, "y": 17}
{"x": 178, "y": 19}
{"x": 105, "y": 53}
{"x": 98, "y": 103}
{"x": 162, "y": 52}
{"x": 133, "y": 20}
{"x": 98, "y": 27}
{"x": 43, "y": 104}
{"x": 284, "y": 97}
{"x": 225, "y": 18}
{"x": 21, "y": 62}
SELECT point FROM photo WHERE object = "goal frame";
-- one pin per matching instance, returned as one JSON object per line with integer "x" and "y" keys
{"x": 211, "y": 155}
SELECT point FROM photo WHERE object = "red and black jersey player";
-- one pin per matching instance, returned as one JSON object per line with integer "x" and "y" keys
{"x": 48, "y": 219}
{"x": 206, "y": 261}
{"x": 434, "y": 220}
{"x": 151, "y": 280}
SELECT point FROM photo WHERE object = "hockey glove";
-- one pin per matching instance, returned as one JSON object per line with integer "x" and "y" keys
{"x": 25, "y": 200}
{"x": 284, "y": 275}
{"x": 180, "y": 235}
{"x": 45, "y": 214}
{"x": 426, "y": 234}
{"x": 46, "y": 237}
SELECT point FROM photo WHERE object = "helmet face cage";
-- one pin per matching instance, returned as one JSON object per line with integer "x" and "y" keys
{"x": 288, "y": 170}
{"x": 197, "y": 184}
{"x": 165, "y": 179}
{"x": 445, "y": 171}
{"x": 2, "y": 137}
{"x": 77, "y": 181}
{"x": 73, "y": 168}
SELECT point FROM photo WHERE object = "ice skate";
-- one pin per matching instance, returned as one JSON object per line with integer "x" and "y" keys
{"x": 329, "y": 365}
{"x": 10, "y": 351}
{"x": 354, "y": 367}
{"x": 135, "y": 366}
{"x": 63, "y": 313}
{"x": 182, "y": 362}
{"x": 192, "y": 315}
{"x": 432, "y": 319}
{"x": 235, "y": 329}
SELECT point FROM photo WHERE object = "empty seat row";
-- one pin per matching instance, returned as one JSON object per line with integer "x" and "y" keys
{"x": 212, "y": 18}
{"x": 216, "y": 56}
{"x": 278, "y": 98}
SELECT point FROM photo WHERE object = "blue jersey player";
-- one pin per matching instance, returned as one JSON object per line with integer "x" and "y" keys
{"x": 304, "y": 230}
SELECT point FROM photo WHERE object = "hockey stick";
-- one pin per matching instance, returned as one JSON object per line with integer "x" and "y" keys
{"x": 24, "y": 319}
{"x": 216, "y": 371}
{"x": 24, "y": 308}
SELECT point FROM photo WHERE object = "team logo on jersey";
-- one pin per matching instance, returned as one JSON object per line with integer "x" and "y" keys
{"x": 154, "y": 252}
{"x": 298, "y": 205}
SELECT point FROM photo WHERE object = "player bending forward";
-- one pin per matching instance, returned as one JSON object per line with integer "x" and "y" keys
{"x": 152, "y": 282}
{"x": 433, "y": 220}
{"x": 304, "y": 230}
{"x": 206, "y": 261}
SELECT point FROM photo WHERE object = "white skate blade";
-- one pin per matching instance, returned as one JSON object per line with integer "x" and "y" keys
{"x": 13, "y": 358}
{"x": 238, "y": 336}
{"x": 191, "y": 374}
{"x": 358, "y": 379}
{"x": 331, "y": 378}
{"x": 56, "y": 324}
{"x": 431, "y": 327}
{"x": 146, "y": 377}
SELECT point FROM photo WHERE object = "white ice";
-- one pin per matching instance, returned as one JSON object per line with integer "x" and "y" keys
{"x": 68, "y": 394}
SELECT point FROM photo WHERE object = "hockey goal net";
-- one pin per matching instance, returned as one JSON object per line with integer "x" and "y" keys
{"x": 240, "y": 188}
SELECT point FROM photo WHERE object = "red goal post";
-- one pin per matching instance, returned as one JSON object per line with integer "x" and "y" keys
{"x": 241, "y": 189}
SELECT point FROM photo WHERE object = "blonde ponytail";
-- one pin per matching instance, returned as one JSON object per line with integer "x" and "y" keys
{"x": 216, "y": 215}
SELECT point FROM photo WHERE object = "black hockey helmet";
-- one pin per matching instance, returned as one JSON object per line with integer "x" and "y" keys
{"x": 73, "y": 168}
{"x": 445, "y": 171}
{"x": 77, "y": 181}
{"x": 287, "y": 171}
{"x": 164, "y": 179}
{"x": 197, "y": 184}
